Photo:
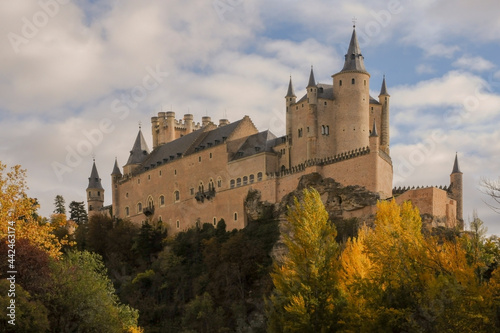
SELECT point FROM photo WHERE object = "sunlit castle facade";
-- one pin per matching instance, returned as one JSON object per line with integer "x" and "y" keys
{"x": 202, "y": 172}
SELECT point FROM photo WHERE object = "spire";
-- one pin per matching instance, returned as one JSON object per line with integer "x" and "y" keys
{"x": 94, "y": 180}
{"x": 139, "y": 151}
{"x": 383, "y": 89}
{"x": 312, "y": 81}
{"x": 116, "y": 169}
{"x": 374, "y": 130}
{"x": 456, "y": 168}
{"x": 353, "y": 59}
{"x": 290, "y": 92}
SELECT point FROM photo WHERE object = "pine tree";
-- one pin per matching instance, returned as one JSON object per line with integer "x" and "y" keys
{"x": 59, "y": 204}
{"x": 77, "y": 212}
{"x": 307, "y": 295}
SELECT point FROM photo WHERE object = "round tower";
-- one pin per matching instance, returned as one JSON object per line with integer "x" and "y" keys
{"x": 351, "y": 91}
{"x": 456, "y": 189}
{"x": 290, "y": 100}
{"x": 384, "y": 98}
{"x": 95, "y": 193}
{"x": 170, "y": 127}
{"x": 116, "y": 175}
{"x": 188, "y": 122}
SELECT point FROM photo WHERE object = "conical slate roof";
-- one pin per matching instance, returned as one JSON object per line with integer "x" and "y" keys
{"x": 353, "y": 59}
{"x": 290, "y": 92}
{"x": 116, "y": 169}
{"x": 383, "y": 89}
{"x": 374, "y": 129}
{"x": 456, "y": 168}
{"x": 312, "y": 81}
{"x": 139, "y": 151}
{"x": 94, "y": 180}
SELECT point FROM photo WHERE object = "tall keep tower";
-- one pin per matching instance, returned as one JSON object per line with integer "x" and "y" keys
{"x": 351, "y": 88}
{"x": 95, "y": 192}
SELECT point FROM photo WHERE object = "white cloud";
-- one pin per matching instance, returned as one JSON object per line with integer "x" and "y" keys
{"x": 425, "y": 69}
{"x": 477, "y": 64}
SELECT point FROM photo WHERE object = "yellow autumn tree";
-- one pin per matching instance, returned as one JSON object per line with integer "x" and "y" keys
{"x": 18, "y": 218}
{"x": 307, "y": 296}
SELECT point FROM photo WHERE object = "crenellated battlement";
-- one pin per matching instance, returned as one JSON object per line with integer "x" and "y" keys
{"x": 401, "y": 190}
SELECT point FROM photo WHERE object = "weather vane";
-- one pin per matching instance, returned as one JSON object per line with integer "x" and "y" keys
{"x": 354, "y": 19}
{"x": 140, "y": 124}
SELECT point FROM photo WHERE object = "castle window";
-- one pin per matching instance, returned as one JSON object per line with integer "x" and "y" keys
{"x": 326, "y": 103}
{"x": 191, "y": 190}
{"x": 159, "y": 218}
{"x": 162, "y": 200}
{"x": 245, "y": 180}
{"x": 211, "y": 185}
{"x": 201, "y": 187}
{"x": 340, "y": 82}
{"x": 283, "y": 168}
{"x": 177, "y": 196}
{"x": 238, "y": 182}
{"x": 98, "y": 193}
{"x": 327, "y": 130}
{"x": 308, "y": 129}
{"x": 149, "y": 177}
{"x": 322, "y": 129}
{"x": 160, "y": 172}
{"x": 219, "y": 182}
{"x": 296, "y": 108}
{"x": 232, "y": 183}
{"x": 199, "y": 158}
{"x": 210, "y": 155}
{"x": 139, "y": 207}
{"x": 353, "y": 81}
{"x": 236, "y": 216}
{"x": 215, "y": 221}
{"x": 178, "y": 224}
{"x": 299, "y": 132}
{"x": 127, "y": 211}
{"x": 150, "y": 202}
{"x": 259, "y": 176}
{"x": 365, "y": 83}
{"x": 126, "y": 195}
{"x": 90, "y": 208}
{"x": 138, "y": 180}
{"x": 175, "y": 172}
{"x": 251, "y": 179}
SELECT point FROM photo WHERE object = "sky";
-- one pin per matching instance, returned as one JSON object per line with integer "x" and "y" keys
{"x": 78, "y": 78}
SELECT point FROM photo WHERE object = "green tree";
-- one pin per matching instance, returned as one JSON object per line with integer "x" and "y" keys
{"x": 59, "y": 205}
{"x": 77, "y": 212}
{"x": 307, "y": 297}
{"x": 81, "y": 298}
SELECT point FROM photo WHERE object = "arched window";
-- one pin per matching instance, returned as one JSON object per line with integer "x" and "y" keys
{"x": 201, "y": 187}
{"x": 327, "y": 130}
{"x": 238, "y": 182}
{"x": 215, "y": 221}
{"x": 236, "y": 216}
{"x": 283, "y": 168}
{"x": 211, "y": 185}
{"x": 259, "y": 176}
{"x": 245, "y": 180}
{"x": 90, "y": 208}
{"x": 232, "y": 183}
{"x": 340, "y": 82}
{"x": 159, "y": 219}
{"x": 219, "y": 182}
{"x": 322, "y": 129}
{"x": 127, "y": 211}
{"x": 252, "y": 178}
{"x": 353, "y": 81}
{"x": 178, "y": 224}
{"x": 150, "y": 202}
{"x": 177, "y": 196}
{"x": 162, "y": 200}
{"x": 139, "y": 207}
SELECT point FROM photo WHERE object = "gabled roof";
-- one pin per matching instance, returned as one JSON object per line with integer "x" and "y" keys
{"x": 254, "y": 144}
{"x": 353, "y": 59}
{"x": 94, "y": 180}
{"x": 139, "y": 151}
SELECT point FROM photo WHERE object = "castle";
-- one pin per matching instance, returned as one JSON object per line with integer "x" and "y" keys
{"x": 202, "y": 172}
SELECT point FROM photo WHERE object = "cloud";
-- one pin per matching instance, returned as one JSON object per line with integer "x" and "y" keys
{"x": 477, "y": 64}
{"x": 424, "y": 69}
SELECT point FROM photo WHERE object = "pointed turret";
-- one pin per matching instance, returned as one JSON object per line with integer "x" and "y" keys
{"x": 383, "y": 89}
{"x": 456, "y": 168}
{"x": 116, "y": 169}
{"x": 312, "y": 81}
{"x": 139, "y": 151}
{"x": 374, "y": 132}
{"x": 354, "y": 61}
{"x": 290, "y": 92}
{"x": 455, "y": 190}
{"x": 94, "y": 180}
{"x": 95, "y": 192}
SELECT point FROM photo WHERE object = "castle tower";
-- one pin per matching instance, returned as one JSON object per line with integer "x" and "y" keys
{"x": 351, "y": 93}
{"x": 383, "y": 98}
{"x": 116, "y": 175}
{"x": 138, "y": 153}
{"x": 290, "y": 100}
{"x": 456, "y": 189}
{"x": 312, "y": 89}
{"x": 95, "y": 192}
